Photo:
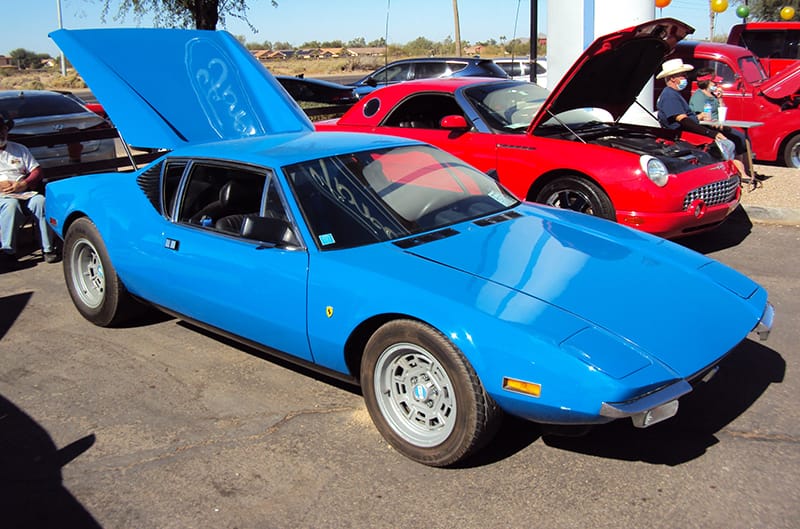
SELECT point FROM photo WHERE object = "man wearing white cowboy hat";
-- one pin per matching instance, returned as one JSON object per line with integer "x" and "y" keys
{"x": 675, "y": 113}
{"x": 19, "y": 173}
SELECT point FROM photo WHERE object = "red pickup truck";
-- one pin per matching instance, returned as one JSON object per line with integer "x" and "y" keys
{"x": 777, "y": 44}
{"x": 751, "y": 95}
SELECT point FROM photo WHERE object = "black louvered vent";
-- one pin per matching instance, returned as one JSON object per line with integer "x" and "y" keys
{"x": 426, "y": 238}
{"x": 150, "y": 182}
{"x": 498, "y": 218}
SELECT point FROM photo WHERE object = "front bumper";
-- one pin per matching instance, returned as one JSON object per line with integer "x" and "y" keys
{"x": 703, "y": 208}
{"x": 661, "y": 404}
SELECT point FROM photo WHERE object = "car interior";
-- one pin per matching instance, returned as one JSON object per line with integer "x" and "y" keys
{"x": 423, "y": 112}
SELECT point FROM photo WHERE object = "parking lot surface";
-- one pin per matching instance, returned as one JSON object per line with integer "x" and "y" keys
{"x": 161, "y": 425}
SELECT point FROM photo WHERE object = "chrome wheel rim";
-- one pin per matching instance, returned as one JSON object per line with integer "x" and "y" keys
{"x": 88, "y": 277}
{"x": 415, "y": 395}
{"x": 794, "y": 155}
{"x": 571, "y": 199}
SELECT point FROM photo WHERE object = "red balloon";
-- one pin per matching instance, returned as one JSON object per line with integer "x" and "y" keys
{"x": 663, "y": 3}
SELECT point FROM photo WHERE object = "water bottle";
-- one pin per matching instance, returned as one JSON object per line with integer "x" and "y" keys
{"x": 707, "y": 110}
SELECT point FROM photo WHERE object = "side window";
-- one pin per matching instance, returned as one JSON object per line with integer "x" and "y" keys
{"x": 423, "y": 111}
{"x": 170, "y": 183}
{"x": 456, "y": 66}
{"x": 219, "y": 197}
{"x": 393, "y": 74}
{"x": 428, "y": 70}
{"x": 719, "y": 68}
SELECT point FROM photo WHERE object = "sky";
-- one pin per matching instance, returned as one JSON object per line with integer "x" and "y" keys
{"x": 26, "y": 23}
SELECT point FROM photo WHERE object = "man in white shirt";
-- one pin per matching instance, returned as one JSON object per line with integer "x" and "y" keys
{"x": 19, "y": 174}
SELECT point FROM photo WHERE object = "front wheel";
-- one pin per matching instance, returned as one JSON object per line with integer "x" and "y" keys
{"x": 578, "y": 194}
{"x": 791, "y": 153}
{"x": 423, "y": 396}
{"x": 93, "y": 285}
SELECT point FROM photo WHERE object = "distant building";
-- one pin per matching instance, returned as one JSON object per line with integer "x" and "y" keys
{"x": 6, "y": 61}
{"x": 366, "y": 52}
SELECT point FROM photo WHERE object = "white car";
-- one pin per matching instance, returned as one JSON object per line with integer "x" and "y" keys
{"x": 519, "y": 68}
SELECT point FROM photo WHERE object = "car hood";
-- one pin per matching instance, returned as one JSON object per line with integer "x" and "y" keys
{"x": 783, "y": 84}
{"x": 196, "y": 86}
{"x": 648, "y": 292}
{"x": 614, "y": 69}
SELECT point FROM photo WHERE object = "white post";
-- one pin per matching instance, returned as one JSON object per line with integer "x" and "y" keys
{"x": 574, "y": 24}
{"x": 60, "y": 26}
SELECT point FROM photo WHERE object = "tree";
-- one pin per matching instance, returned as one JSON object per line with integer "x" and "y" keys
{"x": 25, "y": 59}
{"x": 202, "y": 14}
{"x": 769, "y": 9}
{"x": 359, "y": 42}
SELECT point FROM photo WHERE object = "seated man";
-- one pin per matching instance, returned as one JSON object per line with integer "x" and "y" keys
{"x": 674, "y": 111}
{"x": 19, "y": 173}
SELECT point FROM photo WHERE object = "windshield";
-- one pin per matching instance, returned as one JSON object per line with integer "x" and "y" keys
{"x": 381, "y": 195}
{"x": 752, "y": 71}
{"x": 507, "y": 107}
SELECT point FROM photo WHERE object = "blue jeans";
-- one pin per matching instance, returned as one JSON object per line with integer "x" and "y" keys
{"x": 13, "y": 212}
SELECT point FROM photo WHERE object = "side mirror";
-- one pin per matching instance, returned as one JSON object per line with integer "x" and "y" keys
{"x": 269, "y": 230}
{"x": 454, "y": 122}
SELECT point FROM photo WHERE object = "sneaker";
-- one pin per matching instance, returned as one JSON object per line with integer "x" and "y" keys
{"x": 51, "y": 257}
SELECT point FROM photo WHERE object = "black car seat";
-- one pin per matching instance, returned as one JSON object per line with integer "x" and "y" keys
{"x": 235, "y": 197}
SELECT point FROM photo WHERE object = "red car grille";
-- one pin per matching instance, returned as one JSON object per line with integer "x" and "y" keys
{"x": 713, "y": 194}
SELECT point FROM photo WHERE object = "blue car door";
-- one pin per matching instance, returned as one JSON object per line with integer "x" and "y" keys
{"x": 220, "y": 278}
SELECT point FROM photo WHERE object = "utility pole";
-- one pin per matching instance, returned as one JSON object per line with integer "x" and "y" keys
{"x": 458, "y": 28}
{"x": 60, "y": 26}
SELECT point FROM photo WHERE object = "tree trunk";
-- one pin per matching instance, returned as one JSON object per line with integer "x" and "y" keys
{"x": 206, "y": 13}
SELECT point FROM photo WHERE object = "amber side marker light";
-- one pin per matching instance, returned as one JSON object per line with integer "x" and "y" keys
{"x": 520, "y": 386}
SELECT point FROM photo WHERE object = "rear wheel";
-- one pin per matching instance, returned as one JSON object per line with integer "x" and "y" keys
{"x": 791, "y": 153}
{"x": 423, "y": 396}
{"x": 578, "y": 194}
{"x": 91, "y": 279}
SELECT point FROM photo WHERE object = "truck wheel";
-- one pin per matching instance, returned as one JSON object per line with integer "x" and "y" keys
{"x": 791, "y": 153}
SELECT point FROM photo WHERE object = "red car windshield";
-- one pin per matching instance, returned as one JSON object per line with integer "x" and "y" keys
{"x": 752, "y": 71}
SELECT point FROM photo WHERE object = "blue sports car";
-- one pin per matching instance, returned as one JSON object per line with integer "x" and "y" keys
{"x": 382, "y": 261}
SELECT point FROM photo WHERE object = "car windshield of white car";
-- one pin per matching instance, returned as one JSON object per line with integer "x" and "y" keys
{"x": 381, "y": 195}
{"x": 507, "y": 107}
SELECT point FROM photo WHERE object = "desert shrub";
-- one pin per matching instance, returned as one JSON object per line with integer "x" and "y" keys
{"x": 71, "y": 80}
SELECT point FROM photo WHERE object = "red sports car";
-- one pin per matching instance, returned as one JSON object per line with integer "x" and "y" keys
{"x": 569, "y": 148}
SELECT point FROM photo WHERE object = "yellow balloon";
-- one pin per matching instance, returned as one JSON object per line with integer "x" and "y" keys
{"x": 787, "y": 13}
{"x": 718, "y": 6}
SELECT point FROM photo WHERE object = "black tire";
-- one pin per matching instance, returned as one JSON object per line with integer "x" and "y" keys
{"x": 578, "y": 194}
{"x": 423, "y": 396}
{"x": 93, "y": 285}
{"x": 791, "y": 152}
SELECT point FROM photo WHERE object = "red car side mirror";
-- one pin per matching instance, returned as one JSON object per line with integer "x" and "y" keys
{"x": 454, "y": 122}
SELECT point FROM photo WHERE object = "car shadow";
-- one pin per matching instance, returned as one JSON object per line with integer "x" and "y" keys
{"x": 730, "y": 233}
{"x": 276, "y": 358}
{"x": 10, "y": 309}
{"x": 32, "y": 494}
{"x": 743, "y": 377}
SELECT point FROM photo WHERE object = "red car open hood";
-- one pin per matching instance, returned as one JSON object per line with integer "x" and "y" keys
{"x": 783, "y": 84}
{"x": 614, "y": 69}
